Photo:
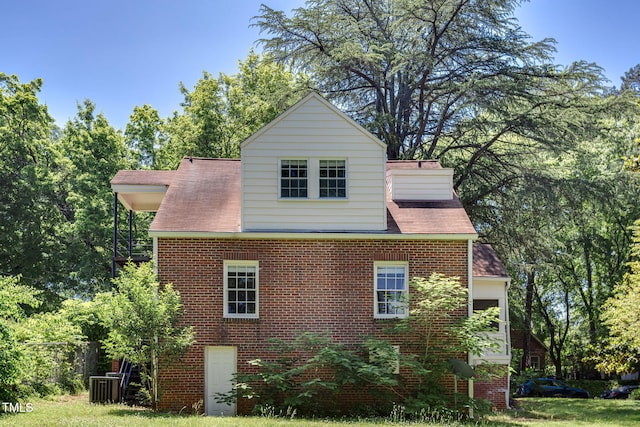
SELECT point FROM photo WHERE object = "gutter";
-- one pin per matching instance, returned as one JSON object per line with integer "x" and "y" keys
{"x": 302, "y": 235}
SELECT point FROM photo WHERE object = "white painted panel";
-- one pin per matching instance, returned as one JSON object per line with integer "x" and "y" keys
{"x": 421, "y": 185}
{"x": 220, "y": 365}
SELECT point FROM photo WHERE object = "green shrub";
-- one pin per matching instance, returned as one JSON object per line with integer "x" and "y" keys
{"x": 309, "y": 373}
{"x": 635, "y": 394}
{"x": 11, "y": 362}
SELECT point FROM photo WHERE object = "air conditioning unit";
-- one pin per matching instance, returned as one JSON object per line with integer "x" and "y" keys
{"x": 104, "y": 389}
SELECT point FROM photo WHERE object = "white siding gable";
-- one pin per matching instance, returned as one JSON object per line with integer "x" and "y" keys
{"x": 313, "y": 130}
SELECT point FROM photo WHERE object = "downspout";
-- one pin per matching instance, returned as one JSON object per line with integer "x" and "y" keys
{"x": 155, "y": 255}
{"x": 507, "y": 326}
{"x": 470, "y": 313}
{"x": 115, "y": 235}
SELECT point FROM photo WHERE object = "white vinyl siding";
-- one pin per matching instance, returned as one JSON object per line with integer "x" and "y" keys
{"x": 425, "y": 184}
{"x": 315, "y": 132}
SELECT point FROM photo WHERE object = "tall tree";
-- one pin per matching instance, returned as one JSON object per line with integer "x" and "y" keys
{"x": 447, "y": 79}
{"x": 30, "y": 235}
{"x": 563, "y": 229}
{"x": 258, "y": 93}
{"x": 95, "y": 152}
{"x": 631, "y": 80}
{"x": 623, "y": 318}
{"x": 143, "y": 135}
{"x": 220, "y": 113}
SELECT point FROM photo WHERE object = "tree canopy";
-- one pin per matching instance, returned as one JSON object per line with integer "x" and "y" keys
{"x": 455, "y": 80}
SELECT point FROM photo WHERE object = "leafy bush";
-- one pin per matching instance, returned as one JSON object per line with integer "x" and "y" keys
{"x": 11, "y": 361}
{"x": 307, "y": 374}
{"x": 49, "y": 342}
{"x": 142, "y": 318}
{"x": 635, "y": 394}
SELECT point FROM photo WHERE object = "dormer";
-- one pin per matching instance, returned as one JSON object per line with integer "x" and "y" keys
{"x": 419, "y": 180}
{"x": 313, "y": 169}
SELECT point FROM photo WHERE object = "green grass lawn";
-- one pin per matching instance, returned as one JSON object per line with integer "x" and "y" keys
{"x": 558, "y": 412}
{"x": 536, "y": 412}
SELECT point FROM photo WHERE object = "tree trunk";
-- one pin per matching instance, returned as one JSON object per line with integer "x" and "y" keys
{"x": 528, "y": 309}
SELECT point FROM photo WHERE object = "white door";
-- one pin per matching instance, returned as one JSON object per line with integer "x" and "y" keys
{"x": 220, "y": 365}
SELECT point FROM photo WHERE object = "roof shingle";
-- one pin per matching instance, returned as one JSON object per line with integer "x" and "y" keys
{"x": 486, "y": 263}
{"x": 204, "y": 196}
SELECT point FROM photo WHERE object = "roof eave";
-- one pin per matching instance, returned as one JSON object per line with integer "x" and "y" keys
{"x": 311, "y": 236}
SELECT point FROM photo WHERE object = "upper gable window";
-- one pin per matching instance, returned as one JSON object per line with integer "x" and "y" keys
{"x": 333, "y": 178}
{"x": 293, "y": 179}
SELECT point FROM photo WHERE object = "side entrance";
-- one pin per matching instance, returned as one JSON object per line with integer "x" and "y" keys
{"x": 220, "y": 365}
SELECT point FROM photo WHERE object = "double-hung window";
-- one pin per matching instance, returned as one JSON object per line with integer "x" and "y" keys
{"x": 241, "y": 289}
{"x": 391, "y": 290}
{"x": 333, "y": 178}
{"x": 293, "y": 179}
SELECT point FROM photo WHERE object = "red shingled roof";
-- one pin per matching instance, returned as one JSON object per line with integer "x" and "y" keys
{"x": 204, "y": 196}
{"x": 143, "y": 177}
{"x": 486, "y": 263}
{"x": 428, "y": 217}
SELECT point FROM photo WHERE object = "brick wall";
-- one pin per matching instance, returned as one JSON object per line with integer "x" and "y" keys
{"x": 495, "y": 389}
{"x": 304, "y": 286}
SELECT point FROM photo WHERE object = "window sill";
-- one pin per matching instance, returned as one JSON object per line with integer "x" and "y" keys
{"x": 241, "y": 319}
{"x": 310, "y": 199}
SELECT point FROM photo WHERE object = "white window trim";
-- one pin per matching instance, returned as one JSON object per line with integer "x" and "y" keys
{"x": 313, "y": 180}
{"x": 377, "y": 264}
{"x": 309, "y": 178}
{"x": 228, "y": 315}
{"x": 346, "y": 177}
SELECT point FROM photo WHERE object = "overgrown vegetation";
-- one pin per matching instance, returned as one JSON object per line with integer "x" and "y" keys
{"x": 142, "y": 319}
{"x": 38, "y": 353}
{"x": 308, "y": 374}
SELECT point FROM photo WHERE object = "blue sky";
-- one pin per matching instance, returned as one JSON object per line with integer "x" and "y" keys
{"x": 123, "y": 53}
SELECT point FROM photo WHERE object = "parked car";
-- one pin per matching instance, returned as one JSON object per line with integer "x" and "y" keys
{"x": 549, "y": 387}
{"x": 622, "y": 392}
